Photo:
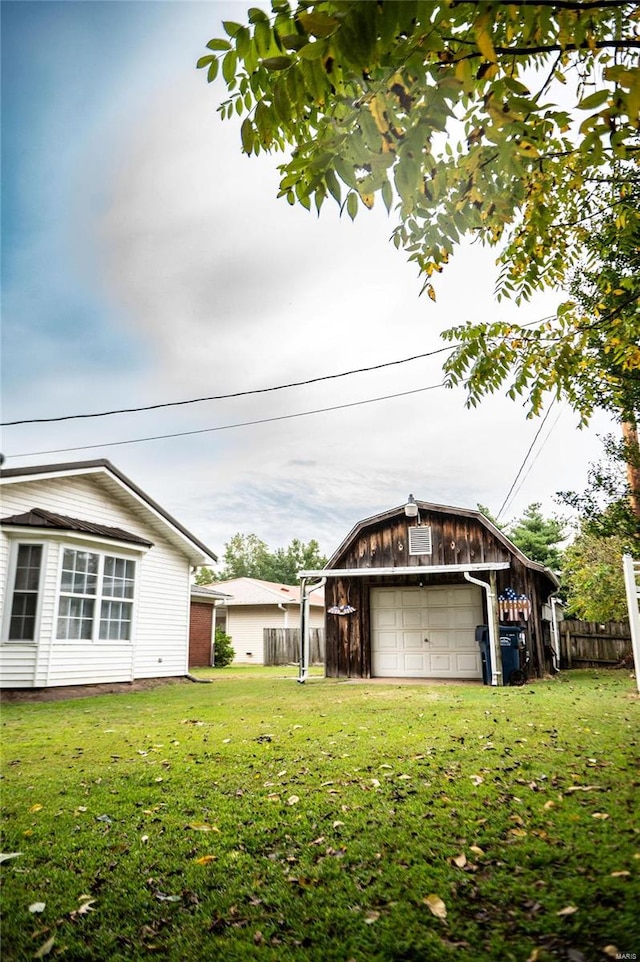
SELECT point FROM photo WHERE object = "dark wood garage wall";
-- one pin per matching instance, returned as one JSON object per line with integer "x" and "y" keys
{"x": 455, "y": 540}
{"x": 200, "y": 630}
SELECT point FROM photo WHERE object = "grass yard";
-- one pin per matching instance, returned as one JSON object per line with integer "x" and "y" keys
{"x": 255, "y": 818}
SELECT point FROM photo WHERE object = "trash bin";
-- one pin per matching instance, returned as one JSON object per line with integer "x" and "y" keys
{"x": 512, "y": 652}
{"x": 482, "y": 637}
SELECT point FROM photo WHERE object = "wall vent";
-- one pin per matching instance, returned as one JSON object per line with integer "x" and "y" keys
{"x": 420, "y": 540}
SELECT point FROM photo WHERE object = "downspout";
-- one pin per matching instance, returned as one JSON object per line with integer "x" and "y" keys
{"x": 286, "y": 614}
{"x": 305, "y": 594}
{"x": 496, "y": 675}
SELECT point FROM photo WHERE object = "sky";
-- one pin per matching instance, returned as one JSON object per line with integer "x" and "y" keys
{"x": 145, "y": 259}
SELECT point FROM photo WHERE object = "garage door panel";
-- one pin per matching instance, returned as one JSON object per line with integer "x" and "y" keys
{"x": 413, "y": 639}
{"x": 414, "y": 663}
{"x": 401, "y": 619}
{"x": 386, "y": 618}
{"x": 464, "y": 618}
{"x": 411, "y": 618}
{"x": 389, "y": 641}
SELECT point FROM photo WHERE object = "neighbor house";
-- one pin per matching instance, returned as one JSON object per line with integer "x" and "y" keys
{"x": 256, "y": 605}
{"x": 407, "y": 589}
{"x": 95, "y": 578}
{"x": 202, "y": 623}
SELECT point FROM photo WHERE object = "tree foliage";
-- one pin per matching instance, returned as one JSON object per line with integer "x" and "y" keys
{"x": 450, "y": 114}
{"x": 538, "y": 537}
{"x": 223, "y": 651}
{"x": 592, "y": 577}
{"x": 204, "y": 575}
{"x": 247, "y": 556}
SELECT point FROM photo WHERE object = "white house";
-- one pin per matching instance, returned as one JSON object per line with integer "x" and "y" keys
{"x": 94, "y": 578}
{"x": 255, "y": 605}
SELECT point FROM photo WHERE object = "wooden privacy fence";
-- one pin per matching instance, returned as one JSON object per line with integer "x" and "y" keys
{"x": 589, "y": 644}
{"x": 282, "y": 646}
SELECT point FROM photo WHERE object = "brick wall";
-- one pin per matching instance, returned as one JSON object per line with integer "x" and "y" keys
{"x": 200, "y": 628}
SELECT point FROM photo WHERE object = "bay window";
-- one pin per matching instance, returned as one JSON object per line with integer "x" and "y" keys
{"x": 96, "y": 597}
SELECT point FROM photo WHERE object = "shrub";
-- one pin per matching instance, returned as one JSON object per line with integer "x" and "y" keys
{"x": 223, "y": 653}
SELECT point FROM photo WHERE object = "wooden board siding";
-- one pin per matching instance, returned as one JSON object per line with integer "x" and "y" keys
{"x": 161, "y": 608}
{"x": 456, "y": 540}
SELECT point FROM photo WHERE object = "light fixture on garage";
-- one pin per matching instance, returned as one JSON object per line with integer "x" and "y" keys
{"x": 411, "y": 508}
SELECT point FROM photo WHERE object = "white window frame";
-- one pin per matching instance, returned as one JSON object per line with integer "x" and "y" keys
{"x": 102, "y": 552}
{"x": 12, "y": 567}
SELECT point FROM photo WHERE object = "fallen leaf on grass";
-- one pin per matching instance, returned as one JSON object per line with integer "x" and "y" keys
{"x": 161, "y": 897}
{"x": 202, "y": 827}
{"x": 568, "y": 910}
{"x": 612, "y": 951}
{"x": 460, "y": 860}
{"x": 45, "y": 949}
{"x": 602, "y": 815}
{"x": 5, "y": 856}
{"x": 476, "y": 779}
{"x": 35, "y": 808}
{"x": 371, "y": 917}
{"x": 293, "y": 800}
{"x": 476, "y": 850}
{"x": 206, "y": 859}
{"x": 582, "y": 788}
{"x": 436, "y": 905}
{"x": 84, "y": 909}
{"x": 622, "y": 874}
{"x": 36, "y": 907}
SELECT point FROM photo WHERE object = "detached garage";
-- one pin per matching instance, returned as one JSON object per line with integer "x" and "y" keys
{"x": 407, "y": 588}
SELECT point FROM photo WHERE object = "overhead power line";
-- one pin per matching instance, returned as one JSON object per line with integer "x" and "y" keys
{"x": 236, "y": 394}
{"x": 537, "y": 455}
{"x": 526, "y": 458}
{"x": 225, "y": 397}
{"x": 228, "y": 427}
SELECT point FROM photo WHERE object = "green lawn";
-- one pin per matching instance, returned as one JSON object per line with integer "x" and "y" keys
{"x": 255, "y": 818}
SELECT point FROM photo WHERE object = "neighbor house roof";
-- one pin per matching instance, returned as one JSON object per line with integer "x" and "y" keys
{"x": 253, "y": 591}
{"x": 117, "y": 484}
{"x": 39, "y": 518}
{"x": 200, "y": 593}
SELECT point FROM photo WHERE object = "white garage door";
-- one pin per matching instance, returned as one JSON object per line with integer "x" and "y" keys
{"x": 425, "y": 632}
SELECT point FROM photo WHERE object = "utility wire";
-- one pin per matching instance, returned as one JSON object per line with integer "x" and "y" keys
{"x": 227, "y": 427}
{"x": 538, "y": 453}
{"x": 264, "y": 390}
{"x": 526, "y": 457}
{"x": 224, "y": 397}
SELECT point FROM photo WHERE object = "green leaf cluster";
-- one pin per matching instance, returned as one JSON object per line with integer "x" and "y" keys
{"x": 444, "y": 111}
{"x": 450, "y": 114}
{"x": 247, "y": 556}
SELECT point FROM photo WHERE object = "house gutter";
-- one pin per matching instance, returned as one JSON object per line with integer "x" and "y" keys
{"x": 305, "y": 594}
{"x": 408, "y": 570}
{"x": 492, "y": 618}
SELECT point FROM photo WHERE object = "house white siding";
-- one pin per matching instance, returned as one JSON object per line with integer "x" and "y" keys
{"x": 245, "y": 625}
{"x": 159, "y": 644}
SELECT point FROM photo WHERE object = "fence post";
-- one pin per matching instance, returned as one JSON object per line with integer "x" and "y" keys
{"x": 632, "y": 586}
